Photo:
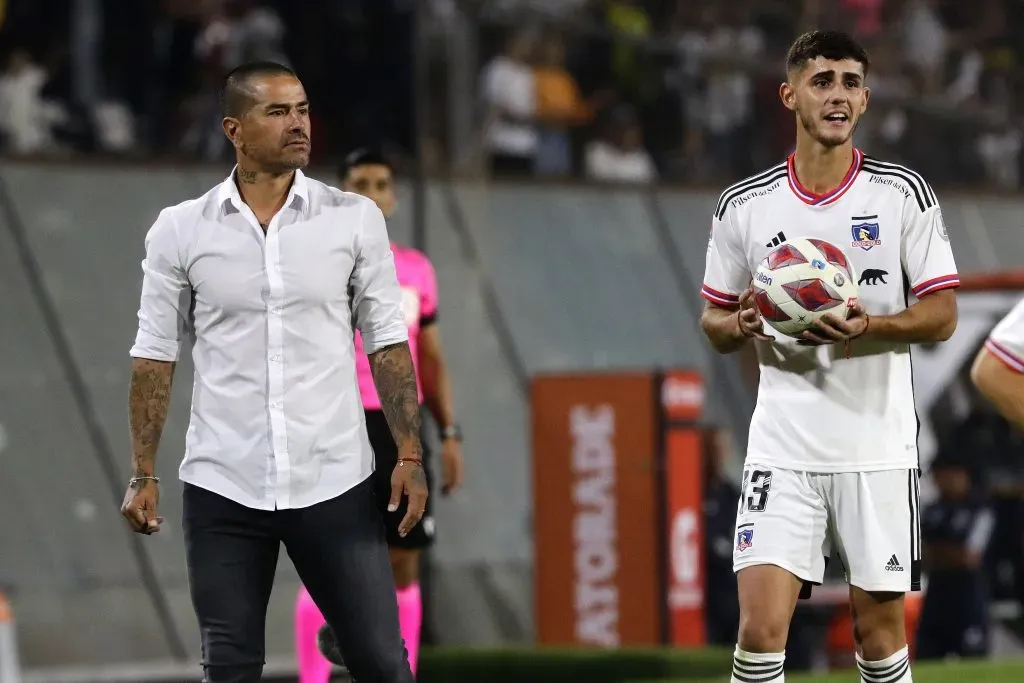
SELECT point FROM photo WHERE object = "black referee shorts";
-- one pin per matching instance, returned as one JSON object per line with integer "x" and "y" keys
{"x": 385, "y": 458}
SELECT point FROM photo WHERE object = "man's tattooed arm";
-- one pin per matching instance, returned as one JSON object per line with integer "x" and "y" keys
{"x": 395, "y": 379}
{"x": 149, "y": 397}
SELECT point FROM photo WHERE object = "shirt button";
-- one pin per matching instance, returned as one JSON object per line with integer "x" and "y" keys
{"x": 276, "y": 358}
{"x": 276, "y": 405}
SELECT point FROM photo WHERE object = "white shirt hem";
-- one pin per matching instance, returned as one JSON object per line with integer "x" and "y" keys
{"x": 820, "y": 467}
{"x": 225, "y": 489}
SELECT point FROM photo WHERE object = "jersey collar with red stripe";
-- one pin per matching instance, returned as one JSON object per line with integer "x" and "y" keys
{"x": 814, "y": 199}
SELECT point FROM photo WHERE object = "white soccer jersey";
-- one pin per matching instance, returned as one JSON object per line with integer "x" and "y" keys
{"x": 1006, "y": 341}
{"x": 816, "y": 410}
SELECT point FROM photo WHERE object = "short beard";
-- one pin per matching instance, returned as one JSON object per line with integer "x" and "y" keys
{"x": 276, "y": 166}
{"x": 809, "y": 126}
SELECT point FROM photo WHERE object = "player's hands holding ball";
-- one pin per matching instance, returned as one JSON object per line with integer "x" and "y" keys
{"x": 806, "y": 289}
{"x": 749, "y": 320}
{"x": 829, "y": 328}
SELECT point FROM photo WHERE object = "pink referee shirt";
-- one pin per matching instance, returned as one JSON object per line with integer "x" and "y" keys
{"x": 418, "y": 281}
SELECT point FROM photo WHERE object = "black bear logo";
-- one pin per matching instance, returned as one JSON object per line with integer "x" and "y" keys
{"x": 873, "y": 276}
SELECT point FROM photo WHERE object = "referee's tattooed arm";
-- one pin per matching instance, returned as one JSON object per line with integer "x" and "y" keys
{"x": 149, "y": 397}
{"x": 395, "y": 379}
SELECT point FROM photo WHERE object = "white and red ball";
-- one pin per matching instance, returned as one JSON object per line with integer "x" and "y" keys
{"x": 801, "y": 280}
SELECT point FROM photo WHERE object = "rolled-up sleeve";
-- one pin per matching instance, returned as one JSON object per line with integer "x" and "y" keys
{"x": 166, "y": 295}
{"x": 376, "y": 294}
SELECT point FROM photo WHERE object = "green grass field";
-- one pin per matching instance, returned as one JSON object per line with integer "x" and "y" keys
{"x": 998, "y": 671}
{"x": 659, "y": 665}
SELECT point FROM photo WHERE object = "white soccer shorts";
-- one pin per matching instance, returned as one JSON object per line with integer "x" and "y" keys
{"x": 794, "y": 520}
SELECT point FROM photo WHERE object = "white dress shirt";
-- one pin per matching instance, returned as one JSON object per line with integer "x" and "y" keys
{"x": 276, "y": 418}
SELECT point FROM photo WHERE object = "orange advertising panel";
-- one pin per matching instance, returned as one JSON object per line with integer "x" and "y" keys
{"x": 682, "y": 399}
{"x": 682, "y": 396}
{"x": 596, "y": 511}
{"x": 686, "y": 578}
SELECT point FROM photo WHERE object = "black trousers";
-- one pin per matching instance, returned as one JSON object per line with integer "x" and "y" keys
{"x": 340, "y": 553}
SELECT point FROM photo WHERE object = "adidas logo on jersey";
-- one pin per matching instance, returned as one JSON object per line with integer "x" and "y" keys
{"x": 777, "y": 240}
{"x": 893, "y": 565}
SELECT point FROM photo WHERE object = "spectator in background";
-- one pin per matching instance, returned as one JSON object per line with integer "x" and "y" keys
{"x": 999, "y": 149}
{"x": 25, "y": 119}
{"x": 925, "y": 42}
{"x": 882, "y": 134}
{"x": 236, "y": 32}
{"x": 722, "y": 613}
{"x": 558, "y": 10}
{"x": 510, "y": 98}
{"x": 619, "y": 155}
{"x": 560, "y": 106}
{"x": 633, "y": 71}
{"x": 719, "y": 54}
{"x": 865, "y": 15}
{"x": 242, "y": 31}
{"x": 955, "y": 531}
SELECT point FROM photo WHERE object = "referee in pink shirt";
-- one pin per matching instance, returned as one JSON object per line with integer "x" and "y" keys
{"x": 367, "y": 172}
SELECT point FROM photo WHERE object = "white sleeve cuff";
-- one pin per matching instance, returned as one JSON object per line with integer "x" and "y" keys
{"x": 154, "y": 348}
{"x": 375, "y": 340}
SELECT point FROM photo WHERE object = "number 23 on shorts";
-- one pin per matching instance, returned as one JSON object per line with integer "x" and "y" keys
{"x": 754, "y": 492}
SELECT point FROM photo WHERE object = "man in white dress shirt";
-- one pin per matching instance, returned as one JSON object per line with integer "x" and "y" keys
{"x": 268, "y": 274}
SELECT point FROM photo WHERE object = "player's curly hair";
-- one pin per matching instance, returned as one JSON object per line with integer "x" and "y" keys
{"x": 834, "y": 45}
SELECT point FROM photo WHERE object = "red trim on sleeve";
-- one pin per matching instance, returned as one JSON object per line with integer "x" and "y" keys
{"x": 1009, "y": 359}
{"x": 937, "y": 283}
{"x": 719, "y": 298}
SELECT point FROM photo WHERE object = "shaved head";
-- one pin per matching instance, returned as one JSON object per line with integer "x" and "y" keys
{"x": 237, "y": 96}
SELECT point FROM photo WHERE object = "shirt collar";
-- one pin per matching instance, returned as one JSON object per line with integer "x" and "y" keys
{"x": 228, "y": 197}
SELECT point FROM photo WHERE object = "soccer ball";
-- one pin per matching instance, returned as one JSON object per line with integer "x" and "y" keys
{"x": 801, "y": 280}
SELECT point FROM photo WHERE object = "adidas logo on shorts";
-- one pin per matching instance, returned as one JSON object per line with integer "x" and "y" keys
{"x": 893, "y": 565}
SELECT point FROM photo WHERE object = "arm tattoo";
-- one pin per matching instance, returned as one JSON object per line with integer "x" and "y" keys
{"x": 395, "y": 379}
{"x": 149, "y": 397}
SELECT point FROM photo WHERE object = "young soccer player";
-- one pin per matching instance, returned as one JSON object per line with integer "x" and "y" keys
{"x": 368, "y": 173}
{"x": 832, "y": 461}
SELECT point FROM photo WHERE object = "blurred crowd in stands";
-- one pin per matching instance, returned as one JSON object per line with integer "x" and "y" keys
{"x": 689, "y": 91}
{"x": 614, "y": 90}
{"x": 141, "y": 78}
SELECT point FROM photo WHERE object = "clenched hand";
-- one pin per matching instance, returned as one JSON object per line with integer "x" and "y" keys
{"x": 139, "y": 506}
